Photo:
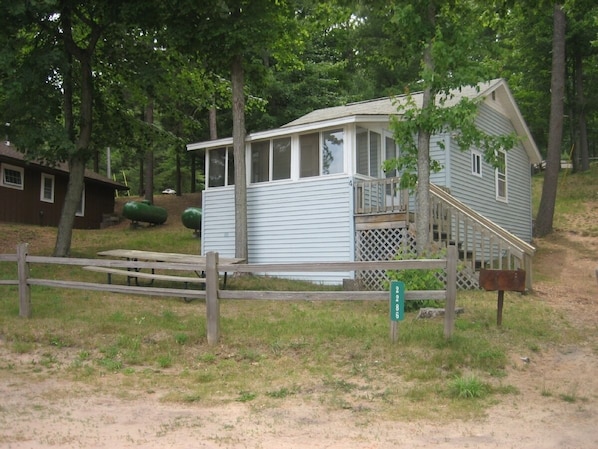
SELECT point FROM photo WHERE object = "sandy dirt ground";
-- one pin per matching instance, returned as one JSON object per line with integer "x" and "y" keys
{"x": 55, "y": 413}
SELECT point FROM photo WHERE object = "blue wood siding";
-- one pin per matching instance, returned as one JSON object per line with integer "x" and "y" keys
{"x": 306, "y": 221}
{"x": 479, "y": 193}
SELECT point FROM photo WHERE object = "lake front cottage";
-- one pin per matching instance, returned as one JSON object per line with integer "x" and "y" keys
{"x": 317, "y": 192}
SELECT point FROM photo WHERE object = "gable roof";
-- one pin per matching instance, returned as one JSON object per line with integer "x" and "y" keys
{"x": 382, "y": 108}
{"x": 8, "y": 151}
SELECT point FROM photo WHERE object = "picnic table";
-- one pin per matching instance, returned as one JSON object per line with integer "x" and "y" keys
{"x": 155, "y": 256}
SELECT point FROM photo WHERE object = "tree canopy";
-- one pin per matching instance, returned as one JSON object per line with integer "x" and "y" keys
{"x": 99, "y": 66}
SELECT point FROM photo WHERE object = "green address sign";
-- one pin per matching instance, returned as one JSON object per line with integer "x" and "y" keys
{"x": 397, "y": 301}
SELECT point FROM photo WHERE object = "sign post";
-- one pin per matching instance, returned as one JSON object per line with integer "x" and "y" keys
{"x": 397, "y": 308}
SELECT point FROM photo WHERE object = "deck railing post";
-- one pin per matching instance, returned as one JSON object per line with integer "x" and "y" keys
{"x": 212, "y": 304}
{"x": 24, "y": 288}
{"x": 451, "y": 291}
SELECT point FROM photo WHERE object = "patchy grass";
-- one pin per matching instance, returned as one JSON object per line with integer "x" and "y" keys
{"x": 338, "y": 354}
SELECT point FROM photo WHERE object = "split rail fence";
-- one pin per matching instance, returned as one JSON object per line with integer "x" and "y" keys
{"x": 213, "y": 293}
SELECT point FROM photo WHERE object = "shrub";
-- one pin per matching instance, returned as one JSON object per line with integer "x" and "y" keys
{"x": 418, "y": 279}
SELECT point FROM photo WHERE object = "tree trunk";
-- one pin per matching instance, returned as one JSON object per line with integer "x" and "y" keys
{"x": 213, "y": 123}
{"x": 69, "y": 209}
{"x": 141, "y": 191}
{"x": 237, "y": 77}
{"x": 77, "y": 162}
{"x": 422, "y": 225}
{"x": 179, "y": 181}
{"x": 148, "y": 117}
{"x": 544, "y": 219}
{"x": 582, "y": 128}
{"x": 193, "y": 173}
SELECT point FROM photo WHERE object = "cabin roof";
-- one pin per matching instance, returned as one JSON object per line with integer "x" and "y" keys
{"x": 8, "y": 151}
{"x": 381, "y": 109}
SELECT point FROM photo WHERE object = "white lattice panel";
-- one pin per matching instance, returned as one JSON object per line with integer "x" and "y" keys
{"x": 386, "y": 244}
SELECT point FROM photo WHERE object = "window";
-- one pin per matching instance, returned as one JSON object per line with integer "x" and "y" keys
{"x": 260, "y": 161}
{"x": 332, "y": 152}
{"x": 271, "y": 160}
{"x": 47, "y": 188}
{"x": 12, "y": 176}
{"x": 281, "y": 158}
{"x": 501, "y": 175}
{"x": 330, "y": 160}
{"x": 371, "y": 152}
{"x": 221, "y": 167}
{"x": 391, "y": 153}
{"x": 81, "y": 206}
{"x": 476, "y": 163}
{"x": 309, "y": 164}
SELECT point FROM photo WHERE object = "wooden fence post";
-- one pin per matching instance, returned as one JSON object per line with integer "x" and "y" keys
{"x": 212, "y": 304}
{"x": 23, "y": 273}
{"x": 451, "y": 291}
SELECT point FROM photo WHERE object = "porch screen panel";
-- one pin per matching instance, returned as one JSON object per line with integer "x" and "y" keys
{"x": 332, "y": 152}
{"x": 230, "y": 164}
{"x": 217, "y": 166}
{"x": 260, "y": 161}
{"x": 281, "y": 158}
{"x": 362, "y": 151}
{"x": 309, "y": 155}
{"x": 375, "y": 150}
{"x": 391, "y": 153}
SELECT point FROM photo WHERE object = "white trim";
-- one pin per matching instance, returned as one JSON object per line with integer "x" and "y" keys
{"x": 297, "y": 129}
{"x": 9, "y": 184}
{"x": 42, "y": 190}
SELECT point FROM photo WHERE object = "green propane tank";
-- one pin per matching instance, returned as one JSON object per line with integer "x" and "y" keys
{"x": 143, "y": 211}
{"x": 191, "y": 219}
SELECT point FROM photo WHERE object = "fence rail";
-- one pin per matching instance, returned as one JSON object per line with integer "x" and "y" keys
{"x": 213, "y": 293}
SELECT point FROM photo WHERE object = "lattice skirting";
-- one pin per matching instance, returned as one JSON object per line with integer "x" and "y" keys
{"x": 386, "y": 244}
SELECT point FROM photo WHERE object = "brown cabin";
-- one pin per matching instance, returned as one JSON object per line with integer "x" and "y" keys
{"x": 33, "y": 193}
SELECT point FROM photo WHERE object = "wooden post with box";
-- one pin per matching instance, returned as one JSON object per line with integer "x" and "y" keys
{"x": 502, "y": 280}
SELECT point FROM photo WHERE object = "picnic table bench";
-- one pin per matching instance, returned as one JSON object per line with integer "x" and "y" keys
{"x": 154, "y": 256}
{"x": 133, "y": 274}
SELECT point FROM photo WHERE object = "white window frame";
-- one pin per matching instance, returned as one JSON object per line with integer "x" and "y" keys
{"x": 12, "y": 185}
{"x": 228, "y": 150}
{"x": 476, "y": 163}
{"x": 270, "y": 160}
{"x": 501, "y": 177}
{"x": 42, "y": 192}
{"x": 81, "y": 206}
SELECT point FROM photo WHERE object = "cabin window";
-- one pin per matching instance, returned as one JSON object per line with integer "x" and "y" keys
{"x": 332, "y": 152}
{"x": 81, "y": 206}
{"x": 323, "y": 158}
{"x": 12, "y": 176}
{"x": 501, "y": 175}
{"x": 281, "y": 158}
{"x": 47, "y": 188}
{"x": 476, "y": 163}
{"x": 221, "y": 167}
{"x": 271, "y": 157}
{"x": 369, "y": 150}
{"x": 391, "y": 153}
{"x": 260, "y": 161}
{"x": 372, "y": 149}
{"x": 309, "y": 164}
